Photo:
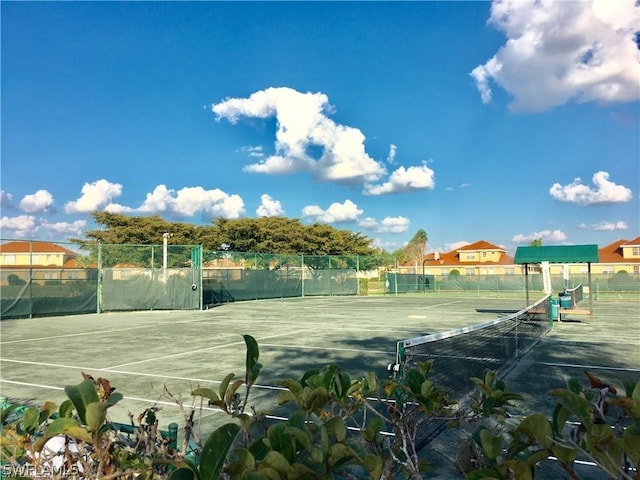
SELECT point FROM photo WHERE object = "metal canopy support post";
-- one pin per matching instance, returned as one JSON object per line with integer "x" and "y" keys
{"x": 590, "y": 293}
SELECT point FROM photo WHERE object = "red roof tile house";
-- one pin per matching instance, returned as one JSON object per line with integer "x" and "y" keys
{"x": 478, "y": 258}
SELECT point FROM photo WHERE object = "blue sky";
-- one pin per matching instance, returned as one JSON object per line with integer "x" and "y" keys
{"x": 502, "y": 122}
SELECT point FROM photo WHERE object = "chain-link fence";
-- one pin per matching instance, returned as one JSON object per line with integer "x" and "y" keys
{"x": 41, "y": 278}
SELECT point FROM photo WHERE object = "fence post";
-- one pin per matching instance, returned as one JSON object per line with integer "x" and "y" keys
{"x": 99, "y": 292}
{"x": 302, "y": 273}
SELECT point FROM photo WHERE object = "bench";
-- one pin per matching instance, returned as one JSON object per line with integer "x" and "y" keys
{"x": 573, "y": 311}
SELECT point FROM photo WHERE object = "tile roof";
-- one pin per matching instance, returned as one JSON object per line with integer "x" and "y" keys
{"x": 612, "y": 253}
{"x": 35, "y": 247}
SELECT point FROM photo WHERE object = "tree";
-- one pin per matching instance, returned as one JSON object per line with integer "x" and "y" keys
{"x": 417, "y": 247}
{"x": 536, "y": 242}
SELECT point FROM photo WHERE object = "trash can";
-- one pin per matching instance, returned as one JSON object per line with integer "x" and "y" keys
{"x": 565, "y": 300}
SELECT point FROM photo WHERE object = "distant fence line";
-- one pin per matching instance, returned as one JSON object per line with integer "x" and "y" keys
{"x": 94, "y": 278}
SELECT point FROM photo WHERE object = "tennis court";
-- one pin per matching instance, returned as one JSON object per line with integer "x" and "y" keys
{"x": 147, "y": 354}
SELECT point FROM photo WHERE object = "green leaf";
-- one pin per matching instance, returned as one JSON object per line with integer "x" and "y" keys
{"x": 340, "y": 453}
{"x": 491, "y": 444}
{"x": 252, "y": 366}
{"x": 537, "y": 427}
{"x": 222, "y": 389}
{"x": 293, "y": 385}
{"x": 96, "y": 415}
{"x": 82, "y": 395}
{"x": 560, "y": 417}
{"x": 231, "y": 391}
{"x": 65, "y": 426}
{"x": 207, "y": 393}
{"x": 484, "y": 474}
{"x": 244, "y": 461}
{"x": 215, "y": 450}
{"x": 636, "y": 392}
{"x": 66, "y": 409}
{"x": 564, "y": 454}
{"x": 30, "y": 419}
{"x": 336, "y": 427}
{"x": 373, "y": 464}
{"x": 631, "y": 439}
{"x": 286, "y": 396}
{"x": 183, "y": 473}
{"x": 521, "y": 469}
{"x": 276, "y": 461}
{"x": 576, "y": 404}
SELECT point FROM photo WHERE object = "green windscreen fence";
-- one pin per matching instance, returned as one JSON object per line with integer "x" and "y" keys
{"x": 149, "y": 289}
{"x": 33, "y": 292}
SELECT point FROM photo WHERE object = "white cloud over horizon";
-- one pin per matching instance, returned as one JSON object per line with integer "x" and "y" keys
{"x": 269, "y": 207}
{"x": 397, "y": 224}
{"x": 547, "y": 236}
{"x": 21, "y": 225}
{"x": 557, "y": 51}
{"x": 189, "y": 201}
{"x": 6, "y": 200}
{"x": 404, "y": 180}
{"x": 604, "y": 226}
{"x": 604, "y": 191}
{"x": 345, "y": 212}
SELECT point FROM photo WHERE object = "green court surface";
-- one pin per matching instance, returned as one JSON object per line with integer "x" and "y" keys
{"x": 147, "y": 354}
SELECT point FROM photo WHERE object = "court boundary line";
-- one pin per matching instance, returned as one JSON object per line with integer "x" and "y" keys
{"x": 594, "y": 367}
{"x": 124, "y": 372}
{"x": 215, "y": 347}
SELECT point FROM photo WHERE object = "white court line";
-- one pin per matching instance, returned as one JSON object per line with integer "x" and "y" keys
{"x": 135, "y": 374}
{"x": 138, "y": 399}
{"x": 416, "y": 316}
{"x": 100, "y": 332}
{"x": 442, "y": 304}
{"x": 215, "y": 347}
{"x": 598, "y": 367}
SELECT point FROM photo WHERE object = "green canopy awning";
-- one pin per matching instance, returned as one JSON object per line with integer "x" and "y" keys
{"x": 557, "y": 254}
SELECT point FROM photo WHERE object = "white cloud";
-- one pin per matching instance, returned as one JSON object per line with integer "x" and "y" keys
{"x": 605, "y": 191}
{"x": 66, "y": 228}
{"x": 450, "y": 247}
{"x": 269, "y": 207}
{"x": 404, "y": 180}
{"x": 253, "y": 151}
{"x": 22, "y": 226}
{"x": 604, "y": 226}
{"x": 39, "y": 202}
{"x": 394, "y": 225}
{"x": 386, "y": 225}
{"x": 557, "y": 51}
{"x": 189, "y": 201}
{"x": 6, "y": 199}
{"x": 547, "y": 236}
{"x": 95, "y": 196}
{"x": 391, "y": 158}
{"x": 336, "y": 213}
{"x": 303, "y": 126}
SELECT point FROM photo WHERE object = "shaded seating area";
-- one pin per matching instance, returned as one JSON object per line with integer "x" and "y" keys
{"x": 560, "y": 254}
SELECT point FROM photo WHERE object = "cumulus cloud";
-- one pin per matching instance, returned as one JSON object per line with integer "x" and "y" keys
{"x": 547, "y": 236}
{"x": 65, "y": 228}
{"x": 386, "y": 225}
{"x": 190, "y": 201}
{"x": 95, "y": 196}
{"x": 269, "y": 207}
{"x": 558, "y": 51}
{"x": 404, "y": 180}
{"x": 604, "y": 191}
{"x": 336, "y": 213}
{"x": 22, "y": 226}
{"x": 604, "y": 226}
{"x": 39, "y": 202}
{"x": 307, "y": 140}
